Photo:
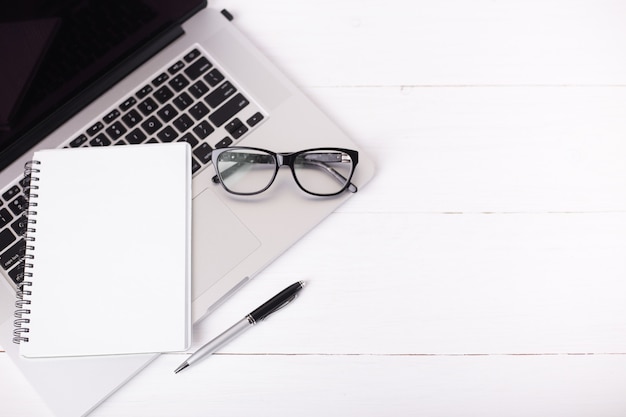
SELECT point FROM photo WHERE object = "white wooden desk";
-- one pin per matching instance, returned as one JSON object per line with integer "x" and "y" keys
{"x": 483, "y": 271}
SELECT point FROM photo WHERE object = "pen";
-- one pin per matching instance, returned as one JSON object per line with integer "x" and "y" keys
{"x": 270, "y": 306}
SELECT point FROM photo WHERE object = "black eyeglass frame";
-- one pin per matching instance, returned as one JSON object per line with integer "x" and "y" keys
{"x": 288, "y": 159}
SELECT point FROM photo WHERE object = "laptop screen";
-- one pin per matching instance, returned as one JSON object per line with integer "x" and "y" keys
{"x": 52, "y": 51}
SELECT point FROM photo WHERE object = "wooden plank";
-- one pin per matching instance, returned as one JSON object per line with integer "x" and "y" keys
{"x": 450, "y": 42}
{"x": 526, "y": 149}
{"x": 235, "y": 385}
{"x": 378, "y": 385}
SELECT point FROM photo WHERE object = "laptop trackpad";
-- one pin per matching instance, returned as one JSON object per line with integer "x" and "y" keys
{"x": 220, "y": 241}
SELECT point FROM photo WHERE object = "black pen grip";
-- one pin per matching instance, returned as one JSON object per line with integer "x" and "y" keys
{"x": 276, "y": 302}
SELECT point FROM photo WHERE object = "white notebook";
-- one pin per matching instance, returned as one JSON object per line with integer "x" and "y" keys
{"x": 111, "y": 251}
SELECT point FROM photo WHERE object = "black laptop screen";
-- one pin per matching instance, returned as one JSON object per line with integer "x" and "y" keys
{"x": 52, "y": 51}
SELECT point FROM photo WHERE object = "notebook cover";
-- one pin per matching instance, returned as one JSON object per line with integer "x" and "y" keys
{"x": 111, "y": 251}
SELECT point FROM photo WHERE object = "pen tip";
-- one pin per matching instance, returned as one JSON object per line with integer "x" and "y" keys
{"x": 181, "y": 367}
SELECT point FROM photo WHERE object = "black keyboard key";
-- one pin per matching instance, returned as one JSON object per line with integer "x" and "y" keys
{"x": 168, "y": 134}
{"x": 203, "y": 129}
{"x": 183, "y": 123}
{"x": 176, "y": 67}
{"x": 11, "y": 192}
{"x": 128, "y": 103}
{"x": 25, "y": 182}
{"x": 224, "y": 142}
{"x": 255, "y": 119}
{"x": 228, "y": 110}
{"x": 195, "y": 166}
{"x": 135, "y": 137}
{"x": 198, "y": 68}
{"x": 236, "y": 128}
{"x": 198, "y": 110}
{"x": 163, "y": 94}
{"x": 182, "y": 101}
{"x": 152, "y": 140}
{"x": 151, "y": 125}
{"x": 160, "y": 79}
{"x": 113, "y": 114}
{"x": 189, "y": 138}
{"x": 6, "y": 238}
{"x": 219, "y": 95}
{"x": 19, "y": 225}
{"x": 120, "y": 142}
{"x": 132, "y": 118}
{"x": 13, "y": 255}
{"x": 5, "y": 217}
{"x": 191, "y": 55}
{"x": 116, "y": 130}
{"x": 95, "y": 129}
{"x": 18, "y": 205}
{"x": 145, "y": 90}
{"x": 100, "y": 140}
{"x": 198, "y": 89}
{"x": 76, "y": 142}
{"x": 167, "y": 113}
{"x": 203, "y": 152}
{"x": 17, "y": 273}
{"x": 179, "y": 82}
{"x": 214, "y": 77}
{"x": 147, "y": 106}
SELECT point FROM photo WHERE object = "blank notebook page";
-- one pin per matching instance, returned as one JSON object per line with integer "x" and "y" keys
{"x": 111, "y": 267}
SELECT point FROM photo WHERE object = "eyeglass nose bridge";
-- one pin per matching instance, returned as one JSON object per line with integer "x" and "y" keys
{"x": 284, "y": 159}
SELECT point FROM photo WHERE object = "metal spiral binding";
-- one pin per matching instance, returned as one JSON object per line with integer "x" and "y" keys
{"x": 22, "y": 301}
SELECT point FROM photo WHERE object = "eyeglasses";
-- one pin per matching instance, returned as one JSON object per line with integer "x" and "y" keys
{"x": 320, "y": 171}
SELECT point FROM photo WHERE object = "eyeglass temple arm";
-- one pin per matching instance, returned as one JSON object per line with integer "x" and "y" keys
{"x": 245, "y": 158}
{"x": 332, "y": 171}
{"x": 226, "y": 173}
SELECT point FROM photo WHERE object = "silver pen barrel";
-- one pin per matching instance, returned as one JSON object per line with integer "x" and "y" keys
{"x": 221, "y": 340}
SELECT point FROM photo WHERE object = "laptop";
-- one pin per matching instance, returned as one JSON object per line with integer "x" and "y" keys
{"x": 88, "y": 73}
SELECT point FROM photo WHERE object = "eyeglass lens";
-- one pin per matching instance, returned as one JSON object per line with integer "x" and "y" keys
{"x": 246, "y": 171}
{"x": 251, "y": 171}
{"x": 323, "y": 172}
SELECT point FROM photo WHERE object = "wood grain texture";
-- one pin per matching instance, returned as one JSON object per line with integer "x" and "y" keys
{"x": 481, "y": 271}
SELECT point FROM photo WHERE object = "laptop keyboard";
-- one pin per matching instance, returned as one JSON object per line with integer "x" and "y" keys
{"x": 190, "y": 100}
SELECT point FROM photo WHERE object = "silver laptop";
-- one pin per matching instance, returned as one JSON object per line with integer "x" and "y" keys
{"x": 127, "y": 73}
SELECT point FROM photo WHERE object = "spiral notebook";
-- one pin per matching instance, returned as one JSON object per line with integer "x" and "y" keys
{"x": 107, "y": 260}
